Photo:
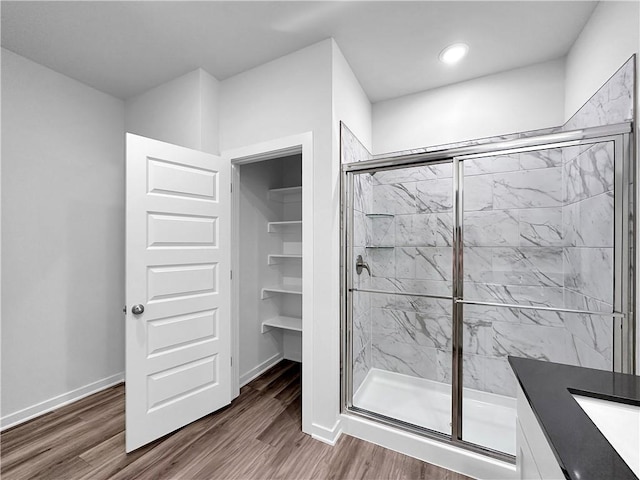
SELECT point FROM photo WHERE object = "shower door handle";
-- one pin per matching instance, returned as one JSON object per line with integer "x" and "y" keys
{"x": 360, "y": 264}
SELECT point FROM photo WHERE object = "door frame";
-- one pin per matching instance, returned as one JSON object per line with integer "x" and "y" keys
{"x": 276, "y": 148}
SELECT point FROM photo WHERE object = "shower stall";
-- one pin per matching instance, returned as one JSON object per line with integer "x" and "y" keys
{"x": 455, "y": 259}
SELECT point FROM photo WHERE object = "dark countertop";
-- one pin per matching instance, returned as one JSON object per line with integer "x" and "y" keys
{"x": 583, "y": 453}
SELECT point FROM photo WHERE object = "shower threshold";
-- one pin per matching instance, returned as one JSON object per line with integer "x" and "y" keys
{"x": 488, "y": 420}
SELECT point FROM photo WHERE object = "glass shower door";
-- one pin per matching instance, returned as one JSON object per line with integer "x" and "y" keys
{"x": 538, "y": 252}
{"x": 455, "y": 260}
{"x": 400, "y": 270}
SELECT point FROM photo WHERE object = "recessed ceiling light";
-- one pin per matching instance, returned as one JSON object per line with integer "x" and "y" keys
{"x": 454, "y": 53}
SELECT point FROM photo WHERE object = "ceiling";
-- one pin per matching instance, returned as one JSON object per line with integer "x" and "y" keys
{"x": 125, "y": 48}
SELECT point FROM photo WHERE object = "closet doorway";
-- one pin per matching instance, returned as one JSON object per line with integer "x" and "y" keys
{"x": 269, "y": 270}
{"x": 272, "y": 240}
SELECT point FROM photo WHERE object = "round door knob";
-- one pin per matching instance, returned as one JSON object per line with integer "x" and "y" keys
{"x": 137, "y": 309}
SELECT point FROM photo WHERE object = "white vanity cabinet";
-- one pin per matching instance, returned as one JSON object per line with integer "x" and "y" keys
{"x": 534, "y": 457}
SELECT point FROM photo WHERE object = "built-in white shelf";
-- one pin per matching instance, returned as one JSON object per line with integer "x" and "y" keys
{"x": 285, "y": 195}
{"x": 273, "y": 259}
{"x": 380, "y": 215}
{"x": 286, "y": 323}
{"x": 277, "y": 289}
{"x": 278, "y": 226}
{"x": 287, "y": 241}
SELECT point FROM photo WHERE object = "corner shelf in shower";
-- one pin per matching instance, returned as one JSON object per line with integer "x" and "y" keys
{"x": 278, "y": 289}
{"x": 379, "y": 246}
{"x": 285, "y": 323}
{"x": 380, "y": 215}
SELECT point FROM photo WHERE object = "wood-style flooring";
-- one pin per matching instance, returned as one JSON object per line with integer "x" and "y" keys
{"x": 258, "y": 436}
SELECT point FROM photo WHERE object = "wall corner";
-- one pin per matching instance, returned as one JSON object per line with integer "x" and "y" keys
{"x": 209, "y": 112}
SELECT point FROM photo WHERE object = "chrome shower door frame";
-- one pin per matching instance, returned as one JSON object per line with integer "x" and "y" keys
{"x": 624, "y": 261}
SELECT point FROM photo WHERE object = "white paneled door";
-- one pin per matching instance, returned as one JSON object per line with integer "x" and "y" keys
{"x": 178, "y": 345}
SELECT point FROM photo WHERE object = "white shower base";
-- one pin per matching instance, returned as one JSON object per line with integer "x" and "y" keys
{"x": 488, "y": 419}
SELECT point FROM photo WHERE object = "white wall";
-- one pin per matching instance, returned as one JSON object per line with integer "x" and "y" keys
{"x": 609, "y": 38}
{"x": 350, "y": 103}
{"x": 290, "y": 96}
{"x": 284, "y": 97}
{"x": 309, "y": 90}
{"x": 183, "y": 111}
{"x": 209, "y": 110}
{"x": 527, "y": 98}
{"x": 62, "y": 236}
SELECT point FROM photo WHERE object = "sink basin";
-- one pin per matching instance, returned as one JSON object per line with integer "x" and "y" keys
{"x": 619, "y": 423}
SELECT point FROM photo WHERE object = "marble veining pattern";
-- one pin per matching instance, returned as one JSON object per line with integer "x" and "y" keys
{"x": 528, "y": 189}
{"x": 498, "y": 376}
{"x": 541, "y": 227}
{"x": 478, "y": 192}
{"x": 486, "y": 165}
{"x": 589, "y": 222}
{"x": 434, "y": 196}
{"x": 528, "y": 266}
{"x": 589, "y": 174}
{"x": 547, "y": 158}
{"x": 533, "y": 341}
{"x": 590, "y": 271}
{"x": 491, "y": 228}
{"x": 433, "y": 263}
{"x": 395, "y": 198}
{"x": 382, "y": 230}
{"x": 407, "y": 358}
{"x": 412, "y": 327}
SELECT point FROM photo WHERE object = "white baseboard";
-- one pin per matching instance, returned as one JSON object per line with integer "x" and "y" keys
{"x": 255, "y": 372}
{"x": 54, "y": 403}
{"x": 292, "y": 345}
{"x": 327, "y": 435}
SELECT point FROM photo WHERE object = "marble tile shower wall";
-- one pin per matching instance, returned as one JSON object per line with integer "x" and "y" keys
{"x": 412, "y": 212}
{"x": 538, "y": 231}
{"x": 588, "y": 257}
{"x": 512, "y": 254}
{"x": 353, "y": 151}
{"x": 361, "y": 300}
{"x": 611, "y": 104}
{"x": 536, "y": 227}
